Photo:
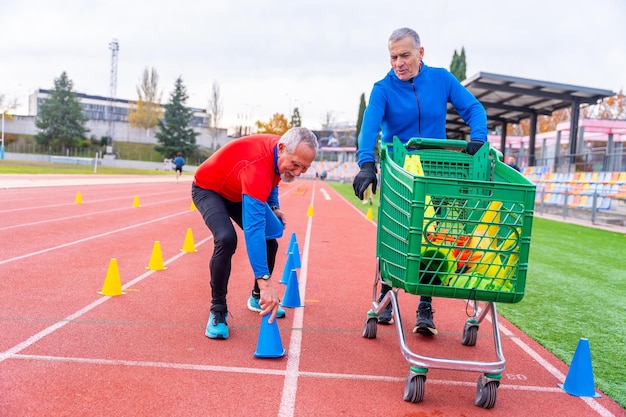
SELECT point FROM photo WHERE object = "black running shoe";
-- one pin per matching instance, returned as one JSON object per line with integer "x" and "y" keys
{"x": 425, "y": 324}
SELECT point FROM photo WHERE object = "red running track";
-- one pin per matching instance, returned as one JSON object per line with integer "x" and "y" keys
{"x": 68, "y": 351}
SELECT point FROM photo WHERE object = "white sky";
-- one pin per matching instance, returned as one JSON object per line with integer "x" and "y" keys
{"x": 269, "y": 56}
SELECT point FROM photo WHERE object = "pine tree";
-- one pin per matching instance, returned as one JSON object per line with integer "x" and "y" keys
{"x": 458, "y": 65}
{"x": 175, "y": 134}
{"x": 60, "y": 119}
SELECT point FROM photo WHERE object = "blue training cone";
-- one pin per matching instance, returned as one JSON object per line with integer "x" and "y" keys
{"x": 284, "y": 279}
{"x": 291, "y": 243}
{"x": 269, "y": 344}
{"x": 579, "y": 381}
{"x": 295, "y": 253}
{"x": 273, "y": 226}
{"x": 292, "y": 293}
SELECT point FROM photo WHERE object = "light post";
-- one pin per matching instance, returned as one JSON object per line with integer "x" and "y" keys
{"x": 5, "y": 108}
{"x": 249, "y": 118}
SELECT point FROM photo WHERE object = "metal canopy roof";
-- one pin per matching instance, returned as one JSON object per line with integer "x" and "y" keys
{"x": 511, "y": 99}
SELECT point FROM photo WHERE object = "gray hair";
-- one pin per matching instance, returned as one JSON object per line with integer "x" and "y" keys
{"x": 296, "y": 135}
{"x": 402, "y": 33}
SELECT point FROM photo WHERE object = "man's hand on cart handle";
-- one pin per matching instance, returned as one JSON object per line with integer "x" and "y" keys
{"x": 474, "y": 145}
{"x": 365, "y": 177}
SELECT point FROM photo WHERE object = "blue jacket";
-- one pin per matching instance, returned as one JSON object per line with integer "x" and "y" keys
{"x": 179, "y": 161}
{"x": 393, "y": 107}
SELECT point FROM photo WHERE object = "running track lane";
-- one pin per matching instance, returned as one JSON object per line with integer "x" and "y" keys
{"x": 66, "y": 350}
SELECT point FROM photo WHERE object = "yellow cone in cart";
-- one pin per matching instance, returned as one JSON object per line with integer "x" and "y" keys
{"x": 484, "y": 236}
{"x": 413, "y": 164}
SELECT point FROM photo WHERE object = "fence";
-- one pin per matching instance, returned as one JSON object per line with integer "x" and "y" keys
{"x": 596, "y": 196}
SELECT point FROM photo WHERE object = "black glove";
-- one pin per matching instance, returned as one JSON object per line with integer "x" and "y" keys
{"x": 365, "y": 177}
{"x": 473, "y": 146}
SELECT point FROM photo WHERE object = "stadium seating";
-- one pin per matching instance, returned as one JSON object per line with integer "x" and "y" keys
{"x": 582, "y": 190}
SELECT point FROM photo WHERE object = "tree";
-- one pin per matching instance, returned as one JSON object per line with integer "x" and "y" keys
{"x": 60, "y": 119}
{"x": 458, "y": 66}
{"x": 215, "y": 111}
{"x": 147, "y": 112}
{"x": 296, "y": 121}
{"x": 277, "y": 125}
{"x": 175, "y": 134}
{"x": 609, "y": 108}
{"x": 359, "y": 120}
{"x": 7, "y": 104}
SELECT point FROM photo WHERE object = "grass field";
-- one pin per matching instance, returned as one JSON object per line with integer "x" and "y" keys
{"x": 575, "y": 288}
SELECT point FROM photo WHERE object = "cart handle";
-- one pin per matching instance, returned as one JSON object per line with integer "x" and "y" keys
{"x": 424, "y": 143}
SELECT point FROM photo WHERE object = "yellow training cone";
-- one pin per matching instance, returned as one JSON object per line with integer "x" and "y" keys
{"x": 136, "y": 202}
{"x": 192, "y": 206}
{"x": 112, "y": 283}
{"x": 79, "y": 198}
{"x": 310, "y": 212}
{"x": 156, "y": 259}
{"x": 189, "y": 246}
{"x": 370, "y": 215}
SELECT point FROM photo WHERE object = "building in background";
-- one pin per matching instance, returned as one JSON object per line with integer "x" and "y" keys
{"x": 95, "y": 108}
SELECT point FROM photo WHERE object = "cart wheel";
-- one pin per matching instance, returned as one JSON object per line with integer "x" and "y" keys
{"x": 486, "y": 392}
{"x": 414, "y": 388}
{"x": 369, "y": 331}
{"x": 470, "y": 334}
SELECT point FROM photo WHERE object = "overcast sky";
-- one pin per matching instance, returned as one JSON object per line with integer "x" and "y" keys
{"x": 269, "y": 56}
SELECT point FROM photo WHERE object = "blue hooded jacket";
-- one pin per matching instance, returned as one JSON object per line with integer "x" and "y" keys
{"x": 417, "y": 108}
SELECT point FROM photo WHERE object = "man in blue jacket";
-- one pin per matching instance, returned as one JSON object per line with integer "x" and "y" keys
{"x": 411, "y": 101}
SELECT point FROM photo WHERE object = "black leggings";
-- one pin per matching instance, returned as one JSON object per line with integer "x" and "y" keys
{"x": 384, "y": 288}
{"x": 217, "y": 213}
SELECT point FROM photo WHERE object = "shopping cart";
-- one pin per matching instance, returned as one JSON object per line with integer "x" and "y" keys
{"x": 451, "y": 225}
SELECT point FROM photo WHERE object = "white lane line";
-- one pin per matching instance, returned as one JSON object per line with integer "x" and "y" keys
{"x": 591, "y": 402}
{"x": 290, "y": 385}
{"x": 92, "y": 213}
{"x": 59, "y": 324}
{"x": 325, "y": 193}
{"x": 266, "y": 371}
{"x": 128, "y": 198}
{"x": 76, "y": 242}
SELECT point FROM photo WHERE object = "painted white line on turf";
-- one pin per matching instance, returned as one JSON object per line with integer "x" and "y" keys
{"x": 290, "y": 385}
{"x": 325, "y": 193}
{"x": 76, "y": 242}
{"x": 40, "y": 335}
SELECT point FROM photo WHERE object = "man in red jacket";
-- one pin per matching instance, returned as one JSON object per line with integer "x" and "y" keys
{"x": 239, "y": 182}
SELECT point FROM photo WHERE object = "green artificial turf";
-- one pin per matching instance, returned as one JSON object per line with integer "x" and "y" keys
{"x": 575, "y": 288}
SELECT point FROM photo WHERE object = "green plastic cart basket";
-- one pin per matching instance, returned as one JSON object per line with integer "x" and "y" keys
{"x": 452, "y": 224}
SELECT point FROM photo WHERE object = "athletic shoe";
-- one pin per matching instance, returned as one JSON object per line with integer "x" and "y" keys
{"x": 386, "y": 317}
{"x": 217, "y": 328}
{"x": 253, "y": 305}
{"x": 425, "y": 324}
